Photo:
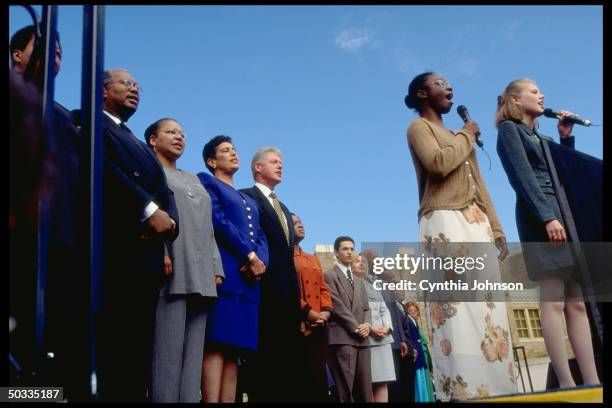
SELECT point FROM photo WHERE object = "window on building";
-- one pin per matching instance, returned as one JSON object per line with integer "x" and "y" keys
{"x": 535, "y": 323}
{"x": 528, "y": 324}
{"x": 521, "y": 323}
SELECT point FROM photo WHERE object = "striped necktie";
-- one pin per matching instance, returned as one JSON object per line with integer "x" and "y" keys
{"x": 280, "y": 214}
{"x": 349, "y": 275}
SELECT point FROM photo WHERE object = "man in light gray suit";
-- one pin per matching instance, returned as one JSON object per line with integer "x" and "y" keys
{"x": 349, "y": 327}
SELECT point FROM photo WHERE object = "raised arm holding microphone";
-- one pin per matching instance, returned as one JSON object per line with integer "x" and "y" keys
{"x": 445, "y": 161}
{"x": 538, "y": 219}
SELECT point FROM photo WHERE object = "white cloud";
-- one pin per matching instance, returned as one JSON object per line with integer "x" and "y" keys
{"x": 352, "y": 39}
{"x": 510, "y": 30}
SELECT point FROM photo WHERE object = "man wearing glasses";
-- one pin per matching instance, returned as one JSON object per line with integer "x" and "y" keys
{"x": 140, "y": 218}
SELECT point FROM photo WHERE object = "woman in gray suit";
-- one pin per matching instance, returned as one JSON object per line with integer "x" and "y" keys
{"x": 383, "y": 370}
{"x": 538, "y": 219}
{"x": 192, "y": 268}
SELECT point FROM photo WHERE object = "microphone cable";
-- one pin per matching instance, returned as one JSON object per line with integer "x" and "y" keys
{"x": 488, "y": 157}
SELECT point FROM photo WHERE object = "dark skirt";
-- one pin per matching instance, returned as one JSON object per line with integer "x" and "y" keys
{"x": 542, "y": 258}
{"x": 233, "y": 323}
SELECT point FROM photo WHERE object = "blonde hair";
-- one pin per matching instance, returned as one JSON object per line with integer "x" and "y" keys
{"x": 409, "y": 304}
{"x": 364, "y": 262}
{"x": 507, "y": 107}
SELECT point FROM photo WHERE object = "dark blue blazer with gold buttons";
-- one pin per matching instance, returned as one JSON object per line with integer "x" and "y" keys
{"x": 237, "y": 231}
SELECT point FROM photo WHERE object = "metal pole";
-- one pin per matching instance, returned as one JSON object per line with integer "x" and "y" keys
{"x": 49, "y": 22}
{"x": 516, "y": 357}
{"x": 527, "y": 368}
{"x": 92, "y": 122}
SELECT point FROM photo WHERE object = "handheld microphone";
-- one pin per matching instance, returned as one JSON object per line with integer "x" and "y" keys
{"x": 549, "y": 113}
{"x": 463, "y": 113}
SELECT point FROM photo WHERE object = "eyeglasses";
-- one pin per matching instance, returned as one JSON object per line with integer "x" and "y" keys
{"x": 442, "y": 83}
{"x": 129, "y": 83}
{"x": 176, "y": 132}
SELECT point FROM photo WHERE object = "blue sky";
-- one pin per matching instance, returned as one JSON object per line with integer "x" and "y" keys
{"x": 325, "y": 84}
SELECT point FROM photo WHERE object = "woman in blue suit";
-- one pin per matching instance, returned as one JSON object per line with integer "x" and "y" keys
{"x": 232, "y": 329}
{"x": 538, "y": 219}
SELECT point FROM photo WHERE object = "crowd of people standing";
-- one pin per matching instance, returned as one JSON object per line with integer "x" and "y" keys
{"x": 207, "y": 294}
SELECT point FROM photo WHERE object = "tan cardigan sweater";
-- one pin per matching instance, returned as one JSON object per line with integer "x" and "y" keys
{"x": 447, "y": 171}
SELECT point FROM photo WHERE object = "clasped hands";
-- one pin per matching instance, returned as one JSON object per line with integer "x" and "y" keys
{"x": 317, "y": 318}
{"x": 254, "y": 268}
{"x": 363, "y": 330}
{"x": 379, "y": 332}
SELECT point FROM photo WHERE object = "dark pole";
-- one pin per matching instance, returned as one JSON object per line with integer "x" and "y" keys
{"x": 91, "y": 132}
{"x": 49, "y": 37}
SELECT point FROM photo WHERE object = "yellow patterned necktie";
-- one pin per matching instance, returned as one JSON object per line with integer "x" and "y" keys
{"x": 280, "y": 214}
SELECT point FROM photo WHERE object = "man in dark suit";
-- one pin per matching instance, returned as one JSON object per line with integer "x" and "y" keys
{"x": 140, "y": 217}
{"x": 275, "y": 370}
{"x": 349, "y": 327}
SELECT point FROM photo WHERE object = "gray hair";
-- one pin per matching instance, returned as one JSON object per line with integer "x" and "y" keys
{"x": 108, "y": 74}
{"x": 261, "y": 154}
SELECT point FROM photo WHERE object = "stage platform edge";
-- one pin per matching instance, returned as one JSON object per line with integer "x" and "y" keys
{"x": 578, "y": 394}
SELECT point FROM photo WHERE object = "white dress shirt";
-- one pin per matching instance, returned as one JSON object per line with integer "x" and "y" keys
{"x": 344, "y": 270}
{"x": 266, "y": 191}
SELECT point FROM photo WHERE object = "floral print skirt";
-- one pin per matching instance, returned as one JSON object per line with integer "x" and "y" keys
{"x": 470, "y": 342}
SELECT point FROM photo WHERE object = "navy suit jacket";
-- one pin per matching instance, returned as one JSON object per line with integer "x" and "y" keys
{"x": 133, "y": 177}
{"x": 280, "y": 313}
{"x": 523, "y": 160}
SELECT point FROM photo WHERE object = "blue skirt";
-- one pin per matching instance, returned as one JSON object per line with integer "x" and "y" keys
{"x": 233, "y": 322}
{"x": 423, "y": 388}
